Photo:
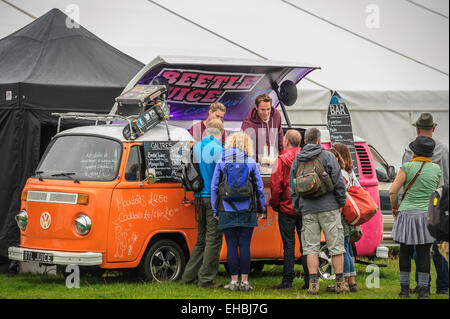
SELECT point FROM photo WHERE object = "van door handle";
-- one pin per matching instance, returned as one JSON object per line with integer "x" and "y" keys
{"x": 187, "y": 203}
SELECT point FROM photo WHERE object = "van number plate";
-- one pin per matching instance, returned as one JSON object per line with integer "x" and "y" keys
{"x": 37, "y": 256}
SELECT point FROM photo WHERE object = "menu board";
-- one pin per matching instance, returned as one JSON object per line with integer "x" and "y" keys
{"x": 340, "y": 126}
{"x": 166, "y": 157}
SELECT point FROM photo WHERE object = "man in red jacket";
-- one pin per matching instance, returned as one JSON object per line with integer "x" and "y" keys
{"x": 263, "y": 125}
{"x": 288, "y": 218}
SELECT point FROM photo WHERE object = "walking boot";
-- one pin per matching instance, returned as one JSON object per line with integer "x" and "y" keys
{"x": 341, "y": 287}
{"x": 423, "y": 292}
{"x": 404, "y": 292}
{"x": 313, "y": 288}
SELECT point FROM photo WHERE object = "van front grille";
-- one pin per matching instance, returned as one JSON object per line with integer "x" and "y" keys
{"x": 52, "y": 197}
{"x": 364, "y": 160}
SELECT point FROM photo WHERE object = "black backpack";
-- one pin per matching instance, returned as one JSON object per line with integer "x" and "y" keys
{"x": 437, "y": 221}
{"x": 190, "y": 176}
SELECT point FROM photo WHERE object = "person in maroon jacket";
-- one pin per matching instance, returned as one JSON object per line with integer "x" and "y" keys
{"x": 216, "y": 111}
{"x": 288, "y": 218}
{"x": 263, "y": 125}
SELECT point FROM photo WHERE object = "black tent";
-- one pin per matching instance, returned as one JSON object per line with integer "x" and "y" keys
{"x": 50, "y": 65}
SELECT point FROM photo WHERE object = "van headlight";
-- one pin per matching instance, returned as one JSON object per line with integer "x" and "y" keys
{"x": 83, "y": 225}
{"x": 22, "y": 219}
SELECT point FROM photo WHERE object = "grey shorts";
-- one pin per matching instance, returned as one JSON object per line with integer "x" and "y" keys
{"x": 330, "y": 223}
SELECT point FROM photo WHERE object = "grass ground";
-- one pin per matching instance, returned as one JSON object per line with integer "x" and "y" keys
{"x": 113, "y": 285}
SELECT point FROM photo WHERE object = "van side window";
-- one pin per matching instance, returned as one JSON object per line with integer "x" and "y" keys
{"x": 135, "y": 167}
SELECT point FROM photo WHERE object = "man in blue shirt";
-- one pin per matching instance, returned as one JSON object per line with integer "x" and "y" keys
{"x": 204, "y": 261}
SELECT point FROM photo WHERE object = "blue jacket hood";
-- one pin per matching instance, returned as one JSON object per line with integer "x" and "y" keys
{"x": 233, "y": 153}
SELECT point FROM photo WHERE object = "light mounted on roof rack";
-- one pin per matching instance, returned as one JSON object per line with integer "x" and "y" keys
{"x": 147, "y": 105}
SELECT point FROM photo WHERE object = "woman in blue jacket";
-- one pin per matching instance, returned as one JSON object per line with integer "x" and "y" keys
{"x": 238, "y": 215}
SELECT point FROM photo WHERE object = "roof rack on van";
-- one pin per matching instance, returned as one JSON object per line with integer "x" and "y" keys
{"x": 300, "y": 125}
{"x": 107, "y": 118}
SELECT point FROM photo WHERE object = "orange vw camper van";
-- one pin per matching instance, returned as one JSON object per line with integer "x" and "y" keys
{"x": 99, "y": 199}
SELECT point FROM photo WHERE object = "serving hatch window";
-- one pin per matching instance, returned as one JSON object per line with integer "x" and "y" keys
{"x": 87, "y": 158}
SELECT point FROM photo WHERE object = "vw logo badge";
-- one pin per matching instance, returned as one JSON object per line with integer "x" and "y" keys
{"x": 45, "y": 220}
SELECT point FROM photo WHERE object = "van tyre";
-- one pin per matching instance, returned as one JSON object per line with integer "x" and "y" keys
{"x": 164, "y": 261}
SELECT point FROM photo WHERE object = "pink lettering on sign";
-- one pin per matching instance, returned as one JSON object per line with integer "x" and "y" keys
{"x": 231, "y": 83}
{"x": 187, "y": 79}
{"x": 204, "y": 87}
{"x": 212, "y": 96}
{"x": 172, "y": 76}
{"x": 219, "y": 80}
{"x": 248, "y": 82}
{"x": 203, "y": 80}
{"x": 195, "y": 95}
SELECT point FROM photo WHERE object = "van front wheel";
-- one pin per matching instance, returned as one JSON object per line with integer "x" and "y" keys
{"x": 164, "y": 261}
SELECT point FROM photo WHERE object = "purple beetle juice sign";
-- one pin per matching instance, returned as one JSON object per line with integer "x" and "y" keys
{"x": 204, "y": 88}
{"x": 193, "y": 87}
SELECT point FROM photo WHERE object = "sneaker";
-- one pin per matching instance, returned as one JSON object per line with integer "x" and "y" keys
{"x": 353, "y": 287}
{"x": 233, "y": 286}
{"x": 283, "y": 285}
{"x": 245, "y": 286}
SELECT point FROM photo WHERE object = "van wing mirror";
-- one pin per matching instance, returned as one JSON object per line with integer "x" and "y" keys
{"x": 150, "y": 175}
{"x": 391, "y": 173}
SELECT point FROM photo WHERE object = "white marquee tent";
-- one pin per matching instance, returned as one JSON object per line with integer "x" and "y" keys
{"x": 388, "y": 59}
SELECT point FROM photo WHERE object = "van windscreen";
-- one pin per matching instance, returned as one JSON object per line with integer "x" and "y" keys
{"x": 87, "y": 158}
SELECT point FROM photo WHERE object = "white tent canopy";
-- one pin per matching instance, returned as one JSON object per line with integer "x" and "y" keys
{"x": 387, "y": 59}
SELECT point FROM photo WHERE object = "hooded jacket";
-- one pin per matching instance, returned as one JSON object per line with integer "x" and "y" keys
{"x": 229, "y": 217}
{"x": 207, "y": 153}
{"x": 280, "y": 200}
{"x": 198, "y": 132}
{"x": 262, "y": 130}
{"x": 440, "y": 157}
{"x": 329, "y": 201}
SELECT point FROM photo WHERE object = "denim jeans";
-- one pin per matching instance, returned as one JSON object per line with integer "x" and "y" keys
{"x": 238, "y": 241}
{"x": 441, "y": 265}
{"x": 349, "y": 266}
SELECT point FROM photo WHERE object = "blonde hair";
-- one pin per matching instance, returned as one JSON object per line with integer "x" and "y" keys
{"x": 241, "y": 141}
{"x": 215, "y": 127}
{"x": 217, "y": 106}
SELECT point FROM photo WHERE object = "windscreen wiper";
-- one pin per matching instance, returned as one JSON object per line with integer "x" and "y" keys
{"x": 69, "y": 175}
{"x": 38, "y": 173}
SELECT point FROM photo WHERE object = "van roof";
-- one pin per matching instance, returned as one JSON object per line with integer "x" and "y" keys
{"x": 157, "y": 133}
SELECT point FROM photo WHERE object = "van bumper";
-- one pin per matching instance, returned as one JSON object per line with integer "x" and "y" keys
{"x": 55, "y": 257}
